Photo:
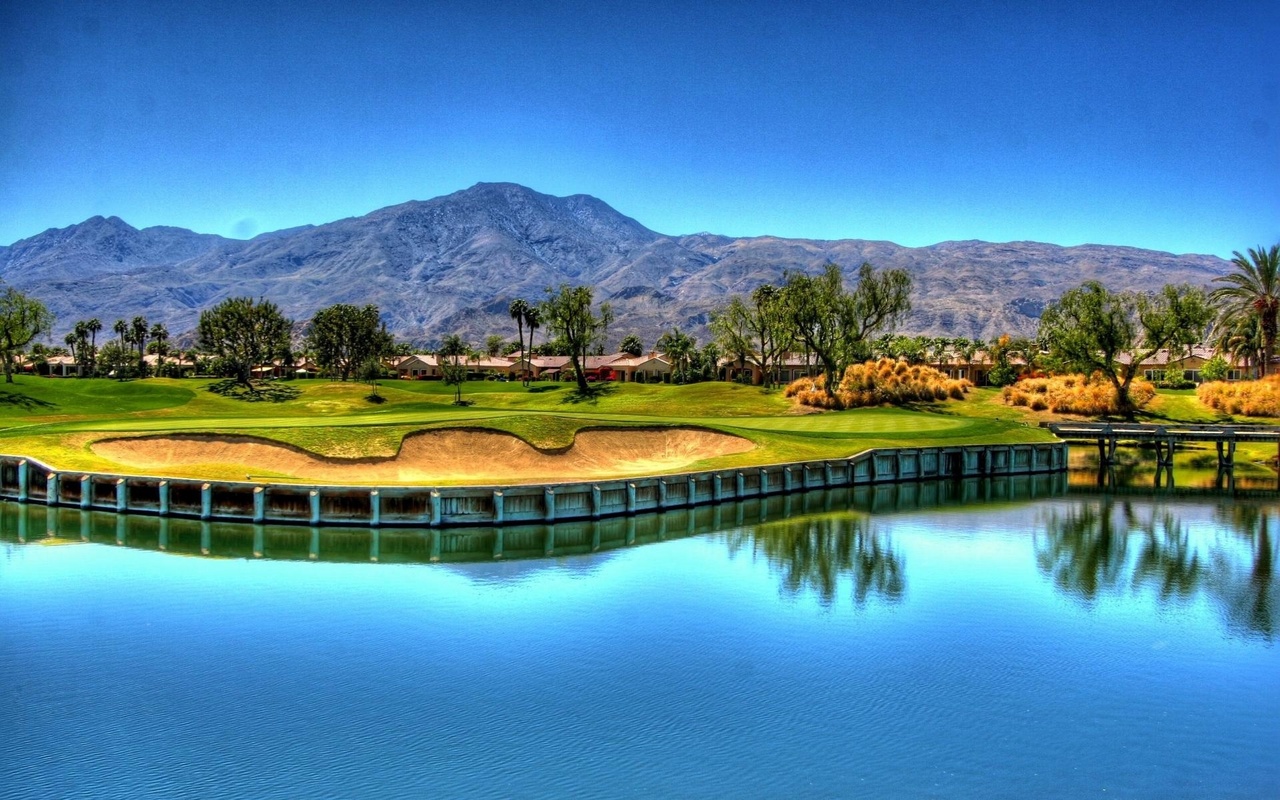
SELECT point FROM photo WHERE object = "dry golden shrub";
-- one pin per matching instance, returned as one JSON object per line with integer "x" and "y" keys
{"x": 876, "y": 382}
{"x": 1260, "y": 398}
{"x": 1074, "y": 394}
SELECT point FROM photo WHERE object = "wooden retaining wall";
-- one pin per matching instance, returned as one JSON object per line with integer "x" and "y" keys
{"x": 28, "y": 481}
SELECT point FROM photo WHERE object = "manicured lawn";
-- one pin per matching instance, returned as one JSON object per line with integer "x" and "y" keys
{"x": 58, "y": 420}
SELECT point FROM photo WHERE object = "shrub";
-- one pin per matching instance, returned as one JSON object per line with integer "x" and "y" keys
{"x": 1260, "y": 398}
{"x": 1002, "y": 375}
{"x": 1215, "y": 369}
{"x": 1074, "y": 394}
{"x": 876, "y": 382}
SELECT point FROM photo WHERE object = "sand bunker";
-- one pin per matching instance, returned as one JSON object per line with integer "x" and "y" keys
{"x": 452, "y": 456}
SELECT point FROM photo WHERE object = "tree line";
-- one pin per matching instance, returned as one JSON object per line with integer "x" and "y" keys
{"x": 832, "y": 321}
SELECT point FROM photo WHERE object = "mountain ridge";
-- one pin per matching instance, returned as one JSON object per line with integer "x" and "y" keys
{"x": 452, "y": 263}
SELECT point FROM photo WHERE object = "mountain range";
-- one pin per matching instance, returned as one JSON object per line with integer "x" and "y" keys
{"x": 453, "y": 264}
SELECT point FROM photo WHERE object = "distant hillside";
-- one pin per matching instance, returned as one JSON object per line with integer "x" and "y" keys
{"x": 452, "y": 264}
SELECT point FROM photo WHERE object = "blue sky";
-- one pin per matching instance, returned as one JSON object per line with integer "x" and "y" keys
{"x": 1153, "y": 124}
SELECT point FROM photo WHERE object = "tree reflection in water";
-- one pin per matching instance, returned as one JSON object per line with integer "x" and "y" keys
{"x": 1105, "y": 545}
{"x": 1246, "y": 586}
{"x": 816, "y": 554}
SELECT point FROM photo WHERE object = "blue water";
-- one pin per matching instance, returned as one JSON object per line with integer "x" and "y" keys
{"x": 1071, "y": 646}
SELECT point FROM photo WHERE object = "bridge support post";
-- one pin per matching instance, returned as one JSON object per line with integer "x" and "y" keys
{"x": 24, "y": 480}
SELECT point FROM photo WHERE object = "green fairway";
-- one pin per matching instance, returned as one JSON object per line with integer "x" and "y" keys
{"x": 58, "y": 420}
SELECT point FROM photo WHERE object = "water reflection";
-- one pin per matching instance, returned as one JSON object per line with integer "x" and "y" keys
{"x": 33, "y": 522}
{"x": 1246, "y": 585}
{"x": 1194, "y": 467}
{"x": 830, "y": 544}
{"x": 1102, "y": 545}
{"x": 814, "y": 555}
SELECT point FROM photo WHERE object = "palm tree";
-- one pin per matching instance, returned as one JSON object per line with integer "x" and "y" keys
{"x": 678, "y": 347}
{"x": 160, "y": 334}
{"x": 1253, "y": 289}
{"x": 532, "y": 321}
{"x": 518, "y": 309}
{"x": 71, "y": 340}
{"x": 1241, "y": 339}
{"x": 93, "y": 326}
{"x": 138, "y": 333}
{"x": 121, "y": 328}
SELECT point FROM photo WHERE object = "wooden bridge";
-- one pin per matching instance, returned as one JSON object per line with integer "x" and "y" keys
{"x": 1164, "y": 437}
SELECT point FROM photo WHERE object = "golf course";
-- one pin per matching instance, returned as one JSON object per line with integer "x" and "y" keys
{"x": 321, "y": 431}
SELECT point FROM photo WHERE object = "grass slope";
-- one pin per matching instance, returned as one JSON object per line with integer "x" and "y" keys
{"x": 58, "y": 420}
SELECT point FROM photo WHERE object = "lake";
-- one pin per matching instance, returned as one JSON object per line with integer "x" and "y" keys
{"x": 1007, "y": 638}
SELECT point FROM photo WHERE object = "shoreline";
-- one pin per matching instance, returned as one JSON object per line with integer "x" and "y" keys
{"x": 27, "y": 480}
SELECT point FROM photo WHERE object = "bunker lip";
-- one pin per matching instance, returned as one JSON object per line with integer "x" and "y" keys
{"x": 448, "y": 455}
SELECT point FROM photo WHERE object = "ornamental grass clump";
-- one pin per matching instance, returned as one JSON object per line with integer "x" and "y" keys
{"x": 1092, "y": 396}
{"x": 877, "y": 382}
{"x": 1260, "y": 398}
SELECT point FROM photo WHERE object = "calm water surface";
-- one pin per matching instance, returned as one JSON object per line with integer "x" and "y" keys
{"x": 1067, "y": 645}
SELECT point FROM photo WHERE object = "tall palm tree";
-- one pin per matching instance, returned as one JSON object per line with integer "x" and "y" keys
{"x": 93, "y": 326}
{"x": 70, "y": 339}
{"x": 138, "y": 334}
{"x": 121, "y": 328}
{"x": 160, "y": 334}
{"x": 532, "y": 321}
{"x": 1253, "y": 289}
{"x": 518, "y": 309}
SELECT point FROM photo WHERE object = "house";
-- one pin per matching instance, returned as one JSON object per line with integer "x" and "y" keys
{"x": 416, "y": 367}
{"x": 173, "y": 364}
{"x": 792, "y": 367}
{"x": 60, "y": 367}
{"x": 649, "y": 368}
{"x": 1172, "y": 365}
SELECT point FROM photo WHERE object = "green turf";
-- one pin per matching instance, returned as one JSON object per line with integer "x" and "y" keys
{"x": 57, "y": 420}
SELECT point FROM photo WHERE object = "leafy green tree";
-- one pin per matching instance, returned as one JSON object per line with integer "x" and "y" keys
{"x": 631, "y": 345}
{"x": 1089, "y": 328}
{"x": 882, "y": 346}
{"x": 493, "y": 345}
{"x": 1002, "y": 372}
{"x": 908, "y": 348}
{"x": 371, "y": 372}
{"x": 451, "y": 357}
{"x": 22, "y": 319}
{"x": 1215, "y": 369}
{"x": 756, "y": 330}
{"x": 568, "y": 315}
{"x": 242, "y": 334}
{"x": 838, "y": 325}
{"x": 343, "y": 337}
{"x": 730, "y": 328}
{"x": 114, "y": 358}
{"x": 679, "y": 348}
{"x": 1252, "y": 290}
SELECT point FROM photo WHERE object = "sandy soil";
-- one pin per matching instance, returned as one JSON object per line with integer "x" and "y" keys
{"x": 451, "y": 456}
